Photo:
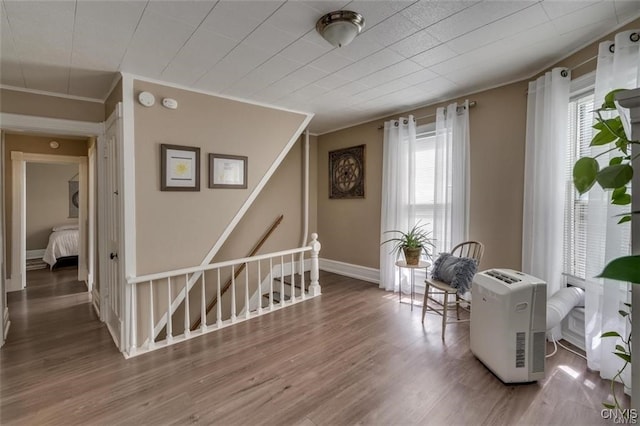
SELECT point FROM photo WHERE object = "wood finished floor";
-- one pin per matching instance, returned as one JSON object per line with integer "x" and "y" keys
{"x": 353, "y": 356}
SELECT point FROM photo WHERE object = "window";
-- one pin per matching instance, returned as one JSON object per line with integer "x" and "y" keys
{"x": 426, "y": 166}
{"x": 575, "y": 234}
{"x": 581, "y": 120}
{"x": 425, "y": 158}
{"x": 575, "y": 222}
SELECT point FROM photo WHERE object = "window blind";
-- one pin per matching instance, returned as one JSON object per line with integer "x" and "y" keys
{"x": 575, "y": 223}
{"x": 425, "y": 169}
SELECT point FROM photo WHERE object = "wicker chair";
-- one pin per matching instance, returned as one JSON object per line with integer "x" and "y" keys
{"x": 470, "y": 249}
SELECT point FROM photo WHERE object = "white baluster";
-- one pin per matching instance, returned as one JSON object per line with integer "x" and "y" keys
{"x": 281, "y": 280}
{"x": 134, "y": 325}
{"x": 246, "y": 291}
{"x": 169, "y": 324}
{"x": 302, "y": 292}
{"x": 203, "y": 306}
{"x": 187, "y": 314}
{"x": 233, "y": 293}
{"x": 314, "y": 285}
{"x": 152, "y": 322}
{"x": 259, "y": 290}
{"x": 218, "y": 302}
{"x": 271, "y": 283}
{"x": 293, "y": 278}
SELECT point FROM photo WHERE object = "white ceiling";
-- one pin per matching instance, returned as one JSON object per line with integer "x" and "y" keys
{"x": 411, "y": 52}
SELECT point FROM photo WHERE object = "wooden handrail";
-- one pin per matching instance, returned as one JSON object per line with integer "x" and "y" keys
{"x": 253, "y": 251}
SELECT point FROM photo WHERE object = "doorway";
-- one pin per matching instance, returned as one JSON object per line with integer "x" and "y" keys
{"x": 52, "y": 216}
{"x": 19, "y": 162}
{"x": 56, "y": 129}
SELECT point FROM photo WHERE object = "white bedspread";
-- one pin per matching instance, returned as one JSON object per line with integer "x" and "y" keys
{"x": 61, "y": 244}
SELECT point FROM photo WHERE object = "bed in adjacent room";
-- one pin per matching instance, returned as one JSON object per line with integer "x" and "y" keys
{"x": 63, "y": 246}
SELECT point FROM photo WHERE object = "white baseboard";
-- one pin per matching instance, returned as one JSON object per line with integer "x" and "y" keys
{"x": 35, "y": 254}
{"x": 363, "y": 273}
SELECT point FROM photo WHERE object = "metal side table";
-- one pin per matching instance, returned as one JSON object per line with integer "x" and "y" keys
{"x": 403, "y": 264}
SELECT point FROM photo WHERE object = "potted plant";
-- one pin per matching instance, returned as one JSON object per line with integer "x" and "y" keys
{"x": 412, "y": 243}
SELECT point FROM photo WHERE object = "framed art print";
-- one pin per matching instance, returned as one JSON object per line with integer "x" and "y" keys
{"x": 227, "y": 171}
{"x": 346, "y": 173}
{"x": 180, "y": 168}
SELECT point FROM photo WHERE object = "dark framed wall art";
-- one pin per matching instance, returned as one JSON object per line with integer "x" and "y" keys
{"x": 228, "y": 171}
{"x": 346, "y": 172}
{"x": 179, "y": 168}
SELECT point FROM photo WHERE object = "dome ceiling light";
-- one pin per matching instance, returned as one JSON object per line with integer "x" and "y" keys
{"x": 340, "y": 27}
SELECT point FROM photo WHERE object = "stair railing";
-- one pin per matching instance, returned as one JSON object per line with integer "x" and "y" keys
{"x": 151, "y": 295}
{"x": 227, "y": 285}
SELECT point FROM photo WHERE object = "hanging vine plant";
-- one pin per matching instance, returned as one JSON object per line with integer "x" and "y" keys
{"x": 615, "y": 177}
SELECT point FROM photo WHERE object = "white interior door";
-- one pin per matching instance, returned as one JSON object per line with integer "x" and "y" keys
{"x": 111, "y": 286}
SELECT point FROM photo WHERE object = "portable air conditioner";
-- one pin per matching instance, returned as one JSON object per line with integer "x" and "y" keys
{"x": 508, "y": 324}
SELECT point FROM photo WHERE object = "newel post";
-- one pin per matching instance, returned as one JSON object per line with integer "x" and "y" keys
{"x": 314, "y": 287}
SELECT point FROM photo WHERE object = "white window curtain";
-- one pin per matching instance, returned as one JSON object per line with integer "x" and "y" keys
{"x": 398, "y": 192}
{"x": 618, "y": 67}
{"x": 451, "y": 185}
{"x": 544, "y": 195}
{"x": 451, "y": 195}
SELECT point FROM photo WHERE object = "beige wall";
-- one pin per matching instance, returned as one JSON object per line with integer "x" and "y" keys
{"x": 47, "y": 201}
{"x": 498, "y": 125}
{"x": 313, "y": 186}
{"x": 112, "y": 100}
{"x": 17, "y": 102}
{"x": 35, "y": 145}
{"x": 350, "y": 229}
{"x": 281, "y": 195}
{"x": 177, "y": 229}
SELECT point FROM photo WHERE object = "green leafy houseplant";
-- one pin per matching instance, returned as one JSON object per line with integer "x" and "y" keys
{"x": 414, "y": 242}
{"x": 616, "y": 177}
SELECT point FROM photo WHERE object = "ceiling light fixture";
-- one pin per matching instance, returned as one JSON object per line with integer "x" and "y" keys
{"x": 340, "y": 27}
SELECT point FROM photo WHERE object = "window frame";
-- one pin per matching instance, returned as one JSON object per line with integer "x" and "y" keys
{"x": 579, "y": 87}
{"x": 422, "y": 131}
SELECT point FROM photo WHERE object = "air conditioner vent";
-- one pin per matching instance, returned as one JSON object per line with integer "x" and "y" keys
{"x": 502, "y": 277}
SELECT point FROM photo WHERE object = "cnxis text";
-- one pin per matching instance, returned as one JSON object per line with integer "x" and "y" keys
{"x": 620, "y": 416}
